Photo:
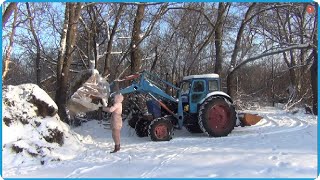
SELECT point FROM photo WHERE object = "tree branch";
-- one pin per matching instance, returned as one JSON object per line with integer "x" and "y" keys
{"x": 7, "y": 13}
{"x": 300, "y": 46}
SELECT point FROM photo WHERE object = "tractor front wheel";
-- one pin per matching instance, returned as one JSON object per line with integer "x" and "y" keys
{"x": 217, "y": 116}
{"x": 141, "y": 127}
{"x": 161, "y": 129}
{"x": 134, "y": 119}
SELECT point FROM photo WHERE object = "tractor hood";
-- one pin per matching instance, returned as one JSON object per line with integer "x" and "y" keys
{"x": 216, "y": 93}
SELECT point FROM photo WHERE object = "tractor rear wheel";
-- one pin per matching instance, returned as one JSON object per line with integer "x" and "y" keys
{"x": 217, "y": 116}
{"x": 141, "y": 127}
{"x": 134, "y": 119}
{"x": 161, "y": 129}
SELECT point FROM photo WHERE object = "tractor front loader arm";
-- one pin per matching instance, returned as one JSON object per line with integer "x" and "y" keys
{"x": 143, "y": 85}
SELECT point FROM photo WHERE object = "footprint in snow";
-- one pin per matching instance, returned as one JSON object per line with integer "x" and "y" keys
{"x": 283, "y": 164}
{"x": 283, "y": 153}
{"x": 273, "y": 158}
{"x": 275, "y": 148}
{"x": 265, "y": 170}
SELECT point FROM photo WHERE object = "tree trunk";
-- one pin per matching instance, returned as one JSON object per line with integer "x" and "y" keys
{"x": 236, "y": 49}
{"x": 294, "y": 73}
{"x": 92, "y": 40}
{"x": 7, "y": 13}
{"x": 9, "y": 48}
{"x": 153, "y": 66}
{"x": 219, "y": 35}
{"x": 136, "y": 36}
{"x": 303, "y": 53}
{"x": 107, "y": 64}
{"x": 35, "y": 37}
{"x": 62, "y": 49}
{"x": 314, "y": 67}
{"x": 73, "y": 15}
{"x": 314, "y": 82}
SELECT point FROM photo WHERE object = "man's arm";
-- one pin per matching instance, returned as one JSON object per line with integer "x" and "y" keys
{"x": 110, "y": 109}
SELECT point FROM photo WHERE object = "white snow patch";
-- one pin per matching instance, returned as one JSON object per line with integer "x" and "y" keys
{"x": 25, "y": 133}
{"x": 1, "y": 2}
{"x": 42, "y": 95}
{"x": 281, "y": 145}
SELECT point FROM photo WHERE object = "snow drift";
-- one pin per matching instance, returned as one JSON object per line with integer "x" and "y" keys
{"x": 32, "y": 130}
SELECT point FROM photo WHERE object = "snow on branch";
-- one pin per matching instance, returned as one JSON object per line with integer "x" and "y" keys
{"x": 269, "y": 53}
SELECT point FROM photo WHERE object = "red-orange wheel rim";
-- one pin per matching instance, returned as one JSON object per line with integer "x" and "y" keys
{"x": 218, "y": 117}
{"x": 161, "y": 131}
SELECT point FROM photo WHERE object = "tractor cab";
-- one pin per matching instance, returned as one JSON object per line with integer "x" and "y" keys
{"x": 195, "y": 88}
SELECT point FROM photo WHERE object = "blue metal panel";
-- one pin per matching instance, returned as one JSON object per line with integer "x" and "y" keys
{"x": 146, "y": 86}
{"x": 154, "y": 108}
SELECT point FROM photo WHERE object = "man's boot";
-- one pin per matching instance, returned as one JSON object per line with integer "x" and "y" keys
{"x": 116, "y": 148}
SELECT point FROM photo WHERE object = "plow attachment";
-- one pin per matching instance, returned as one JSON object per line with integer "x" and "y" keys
{"x": 248, "y": 119}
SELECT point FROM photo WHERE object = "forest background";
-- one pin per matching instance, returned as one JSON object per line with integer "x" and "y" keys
{"x": 265, "y": 53}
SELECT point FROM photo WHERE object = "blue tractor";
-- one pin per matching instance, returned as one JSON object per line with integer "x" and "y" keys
{"x": 199, "y": 105}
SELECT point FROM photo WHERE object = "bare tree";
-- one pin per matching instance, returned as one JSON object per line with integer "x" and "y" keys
{"x": 140, "y": 36}
{"x": 222, "y": 10}
{"x": 289, "y": 26}
{"x": 10, "y": 46}
{"x": 110, "y": 41}
{"x": 314, "y": 67}
{"x": 36, "y": 39}
{"x": 7, "y": 13}
{"x": 237, "y": 47}
{"x": 136, "y": 37}
{"x": 68, "y": 41}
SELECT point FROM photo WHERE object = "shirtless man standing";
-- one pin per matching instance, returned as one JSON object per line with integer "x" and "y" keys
{"x": 116, "y": 120}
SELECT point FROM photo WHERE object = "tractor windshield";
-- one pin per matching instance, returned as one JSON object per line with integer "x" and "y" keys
{"x": 185, "y": 86}
{"x": 213, "y": 85}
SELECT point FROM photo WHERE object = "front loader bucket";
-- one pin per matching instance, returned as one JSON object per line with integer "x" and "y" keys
{"x": 248, "y": 119}
{"x": 90, "y": 92}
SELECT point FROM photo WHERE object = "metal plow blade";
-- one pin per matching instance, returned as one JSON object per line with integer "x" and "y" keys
{"x": 248, "y": 119}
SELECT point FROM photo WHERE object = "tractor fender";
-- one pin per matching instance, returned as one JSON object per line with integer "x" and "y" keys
{"x": 217, "y": 93}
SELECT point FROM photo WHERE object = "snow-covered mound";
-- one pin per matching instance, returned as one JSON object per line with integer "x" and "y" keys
{"x": 32, "y": 130}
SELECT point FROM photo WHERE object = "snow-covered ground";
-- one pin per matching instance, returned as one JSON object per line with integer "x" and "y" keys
{"x": 280, "y": 145}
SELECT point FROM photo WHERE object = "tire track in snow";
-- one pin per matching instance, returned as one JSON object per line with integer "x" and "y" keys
{"x": 87, "y": 169}
{"x": 96, "y": 156}
{"x": 287, "y": 124}
{"x": 91, "y": 155}
{"x": 77, "y": 172}
{"x": 151, "y": 173}
{"x": 271, "y": 124}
